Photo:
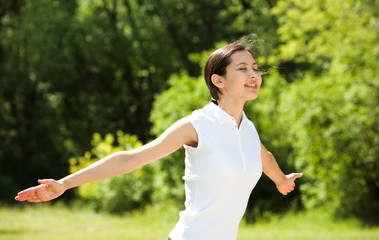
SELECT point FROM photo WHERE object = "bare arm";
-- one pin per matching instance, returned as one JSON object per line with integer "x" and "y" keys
{"x": 284, "y": 183}
{"x": 181, "y": 132}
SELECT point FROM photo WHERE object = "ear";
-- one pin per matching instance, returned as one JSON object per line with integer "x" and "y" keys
{"x": 217, "y": 80}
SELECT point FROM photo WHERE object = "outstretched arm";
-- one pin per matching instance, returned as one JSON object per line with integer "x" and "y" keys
{"x": 284, "y": 183}
{"x": 181, "y": 132}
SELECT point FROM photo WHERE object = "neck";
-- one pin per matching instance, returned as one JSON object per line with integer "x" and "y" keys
{"x": 233, "y": 108}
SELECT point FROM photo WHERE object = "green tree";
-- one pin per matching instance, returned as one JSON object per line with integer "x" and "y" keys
{"x": 72, "y": 68}
{"x": 318, "y": 113}
{"x": 327, "y": 110}
{"x": 31, "y": 136}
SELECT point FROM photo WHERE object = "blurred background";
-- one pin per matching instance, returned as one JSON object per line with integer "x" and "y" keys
{"x": 82, "y": 79}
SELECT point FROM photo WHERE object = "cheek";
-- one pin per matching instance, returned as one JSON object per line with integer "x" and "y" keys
{"x": 260, "y": 81}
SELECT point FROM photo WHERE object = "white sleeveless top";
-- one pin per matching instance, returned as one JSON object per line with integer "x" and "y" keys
{"x": 220, "y": 174}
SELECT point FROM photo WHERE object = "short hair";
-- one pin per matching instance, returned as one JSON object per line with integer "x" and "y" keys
{"x": 217, "y": 63}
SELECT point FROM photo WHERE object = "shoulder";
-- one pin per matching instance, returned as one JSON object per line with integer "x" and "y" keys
{"x": 183, "y": 126}
{"x": 248, "y": 121}
{"x": 183, "y": 129}
{"x": 196, "y": 123}
{"x": 253, "y": 130}
{"x": 201, "y": 114}
{"x": 251, "y": 124}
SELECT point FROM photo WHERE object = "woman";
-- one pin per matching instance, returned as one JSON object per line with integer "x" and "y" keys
{"x": 224, "y": 155}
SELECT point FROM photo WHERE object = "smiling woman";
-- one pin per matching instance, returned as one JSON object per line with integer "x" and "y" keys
{"x": 218, "y": 62}
{"x": 224, "y": 154}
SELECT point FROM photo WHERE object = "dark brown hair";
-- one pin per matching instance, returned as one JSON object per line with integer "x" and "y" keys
{"x": 217, "y": 63}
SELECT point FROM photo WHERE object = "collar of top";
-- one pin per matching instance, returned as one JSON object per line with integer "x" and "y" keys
{"x": 224, "y": 117}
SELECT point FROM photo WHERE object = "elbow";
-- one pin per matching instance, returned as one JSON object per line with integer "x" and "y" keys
{"x": 124, "y": 161}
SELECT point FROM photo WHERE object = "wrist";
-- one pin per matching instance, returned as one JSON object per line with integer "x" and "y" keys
{"x": 64, "y": 183}
{"x": 282, "y": 179}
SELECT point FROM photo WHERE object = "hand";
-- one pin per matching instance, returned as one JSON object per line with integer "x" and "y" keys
{"x": 288, "y": 184}
{"x": 46, "y": 191}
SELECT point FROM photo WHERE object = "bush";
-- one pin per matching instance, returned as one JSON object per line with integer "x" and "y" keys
{"x": 333, "y": 130}
{"x": 121, "y": 193}
{"x": 184, "y": 95}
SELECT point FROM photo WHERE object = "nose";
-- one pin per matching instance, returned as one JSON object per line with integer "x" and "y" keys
{"x": 254, "y": 73}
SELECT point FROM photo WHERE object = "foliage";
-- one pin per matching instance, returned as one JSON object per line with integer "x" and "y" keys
{"x": 33, "y": 139}
{"x": 335, "y": 142}
{"x": 120, "y": 193}
{"x": 72, "y": 68}
{"x": 319, "y": 112}
{"x": 184, "y": 95}
{"x": 328, "y": 114}
{"x": 263, "y": 112}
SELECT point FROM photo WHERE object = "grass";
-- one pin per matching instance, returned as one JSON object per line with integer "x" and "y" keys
{"x": 43, "y": 221}
{"x": 315, "y": 225}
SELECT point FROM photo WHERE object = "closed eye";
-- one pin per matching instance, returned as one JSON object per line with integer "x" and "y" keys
{"x": 244, "y": 69}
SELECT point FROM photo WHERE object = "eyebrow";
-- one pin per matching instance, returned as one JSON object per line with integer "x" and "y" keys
{"x": 243, "y": 63}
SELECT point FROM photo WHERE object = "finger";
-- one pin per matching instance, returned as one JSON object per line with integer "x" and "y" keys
{"x": 23, "y": 195}
{"x": 295, "y": 176}
{"x": 18, "y": 198}
{"x": 46, "y": 181}
{"x": 28, "y": 193}
{"x": 30, "y": 197}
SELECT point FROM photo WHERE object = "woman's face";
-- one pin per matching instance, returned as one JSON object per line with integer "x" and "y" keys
{"x": 242, "y": 80}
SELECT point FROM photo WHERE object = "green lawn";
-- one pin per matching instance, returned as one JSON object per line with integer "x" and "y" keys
{"x": 44, "y": 222}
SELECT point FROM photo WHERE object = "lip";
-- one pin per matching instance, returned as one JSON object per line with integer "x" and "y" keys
{"x": 252, "y": 86}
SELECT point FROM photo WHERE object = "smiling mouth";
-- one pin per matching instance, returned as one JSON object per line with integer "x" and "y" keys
{"x": 250, "y": 85}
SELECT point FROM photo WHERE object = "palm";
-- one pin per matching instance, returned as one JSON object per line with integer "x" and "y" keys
{"x": 46, "y": 191}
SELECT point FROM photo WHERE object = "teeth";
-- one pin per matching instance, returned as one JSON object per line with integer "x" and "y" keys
{"x": 251, "y": 85}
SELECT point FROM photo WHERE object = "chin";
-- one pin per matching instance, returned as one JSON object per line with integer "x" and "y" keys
{"x": 252, "y": 97}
